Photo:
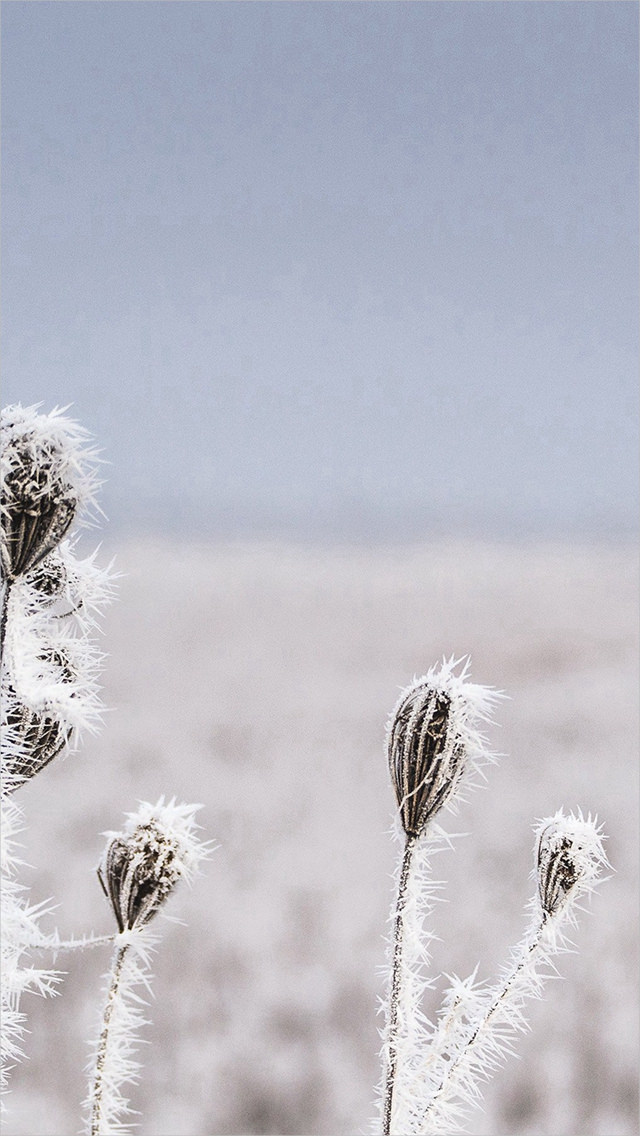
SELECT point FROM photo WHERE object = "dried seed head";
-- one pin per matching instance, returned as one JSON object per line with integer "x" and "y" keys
{"x": 569, "y": 856}
{"x": 33, "y": 740}
{"x": 142, "y": 865}
{"x": 432, "y": 741}
{"x": 47, "y": 476}
{"x": 34, "y": 735}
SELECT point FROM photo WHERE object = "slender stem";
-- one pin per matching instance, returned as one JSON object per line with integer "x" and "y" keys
{"x": 396, "y": 982}
{"x": 493, "y": 1008}
{"x": 53, "y": 944}
{"x": 97, "y": 1092}
{"x": 4, "y": 615}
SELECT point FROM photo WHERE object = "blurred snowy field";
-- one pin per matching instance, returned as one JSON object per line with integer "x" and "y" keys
{"x": 257, "y": 680}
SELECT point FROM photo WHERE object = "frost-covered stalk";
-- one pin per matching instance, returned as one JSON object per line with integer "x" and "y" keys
{"x": 433, "y": 746}
{"x": 478, "y": 1025}
{"x": 20, "y": 933}
{"x": 50, "y": 599}
{"x": 141, "y": 866}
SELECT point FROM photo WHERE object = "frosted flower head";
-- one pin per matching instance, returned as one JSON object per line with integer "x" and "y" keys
{"x": 47, "y": 475}
{"x": 569, "y": 856}
{"x": 432, "y": 741}
{"x": 142, "y": 864}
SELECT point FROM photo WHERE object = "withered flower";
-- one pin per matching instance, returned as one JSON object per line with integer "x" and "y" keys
{"x": 142, "y": 865}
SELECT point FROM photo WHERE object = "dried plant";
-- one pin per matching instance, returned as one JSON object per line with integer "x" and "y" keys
{"x": 432, "y": 1073}
{"x": 140, "y": 868}
{"x": 49, "y": 661}
{"x": 51, "y": 601}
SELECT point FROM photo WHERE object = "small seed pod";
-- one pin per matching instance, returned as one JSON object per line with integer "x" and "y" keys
{"x": 557, "y": 871}
{"x": 138, "y": 872}
{"x": 569, "y": 855}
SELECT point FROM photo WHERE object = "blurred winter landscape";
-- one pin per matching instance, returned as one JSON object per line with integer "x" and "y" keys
{"x": 257, "y": 679}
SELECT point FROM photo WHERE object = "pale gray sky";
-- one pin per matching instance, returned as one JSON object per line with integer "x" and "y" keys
{"x": 349, "y": 269}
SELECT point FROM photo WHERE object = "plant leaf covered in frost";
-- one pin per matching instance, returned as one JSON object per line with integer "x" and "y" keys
{"x": 141, "y": 865}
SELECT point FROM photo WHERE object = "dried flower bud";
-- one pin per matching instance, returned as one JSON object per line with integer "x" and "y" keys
{"x": 142, "y": 865}
{"x": 46, "y": 477}
{"x": 432, "y": 741}
{"x": 569, "y": 855}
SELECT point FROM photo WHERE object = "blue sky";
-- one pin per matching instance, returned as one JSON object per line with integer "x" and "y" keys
{"x": 330, "y": 269}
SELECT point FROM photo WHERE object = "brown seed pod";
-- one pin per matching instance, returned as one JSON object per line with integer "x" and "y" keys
{"x": 426, "y": 757}
{"x": 37, "y": 507}
{"x": 558, "y": 870}
{"x": 138, "y": 872}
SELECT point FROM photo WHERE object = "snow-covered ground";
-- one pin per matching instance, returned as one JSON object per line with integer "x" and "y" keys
{"x": 257, "y": 680}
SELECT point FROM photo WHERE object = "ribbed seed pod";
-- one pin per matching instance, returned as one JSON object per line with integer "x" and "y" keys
{"x": 426, "y": 757}
{"x": 569, "y": 854}
{"x": 48, "y": 475}
{"x": 138, "y": 872}
{"x": 38, "y": 738}
{"x": 38, "y": 508}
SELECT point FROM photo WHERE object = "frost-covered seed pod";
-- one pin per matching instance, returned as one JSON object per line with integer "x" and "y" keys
{"x": 38, "y": 737}
{"x": 433, "y": 741}
{"x": 142, "y": 865}
{"x": 569, "y": 853}
{"x": 38, "y": 509}
{"x": 425, "y": 756}
{"x": 137, "y": 875}
{"x": 46, "y": 476}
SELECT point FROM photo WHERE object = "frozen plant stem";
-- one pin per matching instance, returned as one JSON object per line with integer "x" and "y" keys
{"x": 396, "y": 979}
{"x": 433, "y": 750}
{"x": 3, "y": 617}
{"x": 498, "y": 1003}
{"x": 103, "y": 1044}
